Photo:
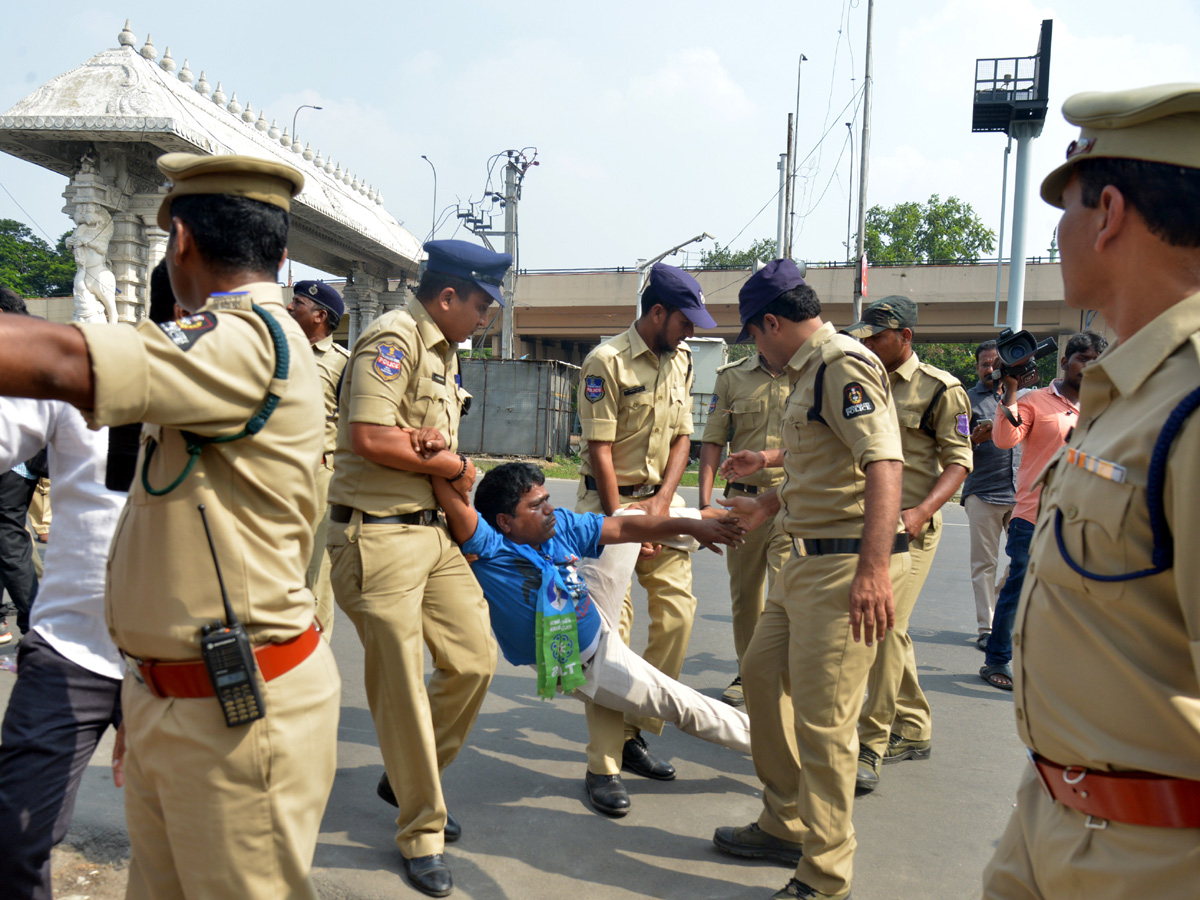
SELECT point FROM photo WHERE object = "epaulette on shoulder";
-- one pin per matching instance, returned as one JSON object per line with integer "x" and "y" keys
{"x": 841, "y": 345}
{"x": 340, "y": 349}
{"x": 941, "y": 375}
{"x": 736, "y": 362}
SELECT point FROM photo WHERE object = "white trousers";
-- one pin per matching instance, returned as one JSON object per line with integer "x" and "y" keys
{"x": 619, "y": 679}
{"x": 989, "y": 522}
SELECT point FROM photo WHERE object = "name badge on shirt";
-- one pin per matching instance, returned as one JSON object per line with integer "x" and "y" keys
{"x": 439, "y": 379}
{"x": 629, "y": 392}
{"x": 1096, "y": 465}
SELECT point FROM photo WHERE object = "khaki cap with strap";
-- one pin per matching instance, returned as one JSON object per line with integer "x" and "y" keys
{"x": 1160, "y": 123}
{"x": 243, "y": 176}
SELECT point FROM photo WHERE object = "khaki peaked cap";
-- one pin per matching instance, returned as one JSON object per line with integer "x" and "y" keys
{"x": 242, "y": 176}
{"x": 1160, "y": 123}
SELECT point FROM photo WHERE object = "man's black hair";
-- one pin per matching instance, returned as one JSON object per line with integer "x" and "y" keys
{"x": 796, "y": 305}
{"x": 983, "y": 348}
{"x": 650, "y": 299}
{"x": 162, "y": 298}
{"x": 1083, "y": 342}
{"x": 11, "y": 302}
{"x": 433, "y": 283}
{"x": 235, "y": 234}
{"x": 501, "y": 489}
{"x": 1165, "y": 196}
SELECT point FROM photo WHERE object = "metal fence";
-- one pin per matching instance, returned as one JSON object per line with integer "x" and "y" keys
{"x": 520, "y": 407}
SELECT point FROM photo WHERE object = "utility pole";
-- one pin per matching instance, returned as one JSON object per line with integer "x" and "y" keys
{"x": 510, "y": 247}
{"x": 779, "y": 224}
{"x": 785, "y": 249}
{"x": 864, "y": 151}
{"x": 791, "y": 228}
{"x": 514, "y": 174}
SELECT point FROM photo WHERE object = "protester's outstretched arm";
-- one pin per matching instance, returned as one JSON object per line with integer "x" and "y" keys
{"x": 44, "y": 361}
{"x": 640, "y": 529}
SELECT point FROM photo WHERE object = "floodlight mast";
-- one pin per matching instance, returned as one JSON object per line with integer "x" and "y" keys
{"x": 1012, "y": 95}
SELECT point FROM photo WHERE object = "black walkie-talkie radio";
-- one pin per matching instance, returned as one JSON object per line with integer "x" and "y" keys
{"x": 227, "y": 654}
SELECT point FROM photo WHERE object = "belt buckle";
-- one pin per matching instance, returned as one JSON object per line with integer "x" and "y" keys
{"x": 643, "y": 490}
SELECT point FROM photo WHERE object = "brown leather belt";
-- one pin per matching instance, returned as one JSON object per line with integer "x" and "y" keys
{"x": 342, "y": 514}
{"x": 827, "y": 546}
{"x": 1135, "y": 798}
{"x": 748, "y": 488}
{"x": 189, "y": 679}
{"x": 625, "y": 490}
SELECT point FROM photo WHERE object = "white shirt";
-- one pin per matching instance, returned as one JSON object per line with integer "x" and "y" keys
{"x": 69, "y": 609}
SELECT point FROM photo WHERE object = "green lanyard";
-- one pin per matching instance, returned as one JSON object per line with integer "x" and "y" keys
{"x": 195, "y": 442}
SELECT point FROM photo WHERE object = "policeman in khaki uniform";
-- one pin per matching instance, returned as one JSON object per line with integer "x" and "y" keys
{"x": 1107, "y": 635}
{"x": 635, "y": 406}
{"x": 746, "y": 412}
{"x": 206, "y": 804}
{"x": 318, "y": 309}
{"x": 397, "y": 573}
{"x": 934, "y": 413}
{"x": 806, "y": 667}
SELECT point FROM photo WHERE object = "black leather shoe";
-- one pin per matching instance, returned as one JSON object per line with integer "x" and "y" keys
{"x": 637, "y": 758}
{"x": 387, "y": 795}
{"x": 607, "y": 793}
{"x": 752, "y": 842}
{"x": 429, "y": 875}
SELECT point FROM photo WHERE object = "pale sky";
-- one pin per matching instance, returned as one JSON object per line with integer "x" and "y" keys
{"x": 653, "y": 121}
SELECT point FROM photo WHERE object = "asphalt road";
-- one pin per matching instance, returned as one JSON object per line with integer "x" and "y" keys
{"x": 529, "y": 833}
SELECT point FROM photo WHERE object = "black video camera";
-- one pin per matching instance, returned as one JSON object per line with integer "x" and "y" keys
{"x": 1019, "y": 353}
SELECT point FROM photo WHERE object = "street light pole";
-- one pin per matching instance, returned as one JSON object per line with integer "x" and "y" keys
{"x": 849, "y": 188}
{"x": 297, "y": 112}
{"x": 433, "y": 218}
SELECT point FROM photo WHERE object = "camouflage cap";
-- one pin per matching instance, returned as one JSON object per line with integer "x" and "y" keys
{"x": 892, "y": 312}
{"x": 1160, "y": 123}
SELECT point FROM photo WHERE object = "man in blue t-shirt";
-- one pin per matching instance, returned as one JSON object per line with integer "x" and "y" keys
{"x": 523, "y": 544}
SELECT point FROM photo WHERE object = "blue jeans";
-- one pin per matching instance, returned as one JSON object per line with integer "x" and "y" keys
{"x": 999, "y": 645}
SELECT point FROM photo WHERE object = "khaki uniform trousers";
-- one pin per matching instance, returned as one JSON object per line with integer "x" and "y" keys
{"x": 407, "y": 587}
{"x": 895, "y": 701}
{"x": 989, "y": 525}
{"x": 216, "y": 812}
{"x": 668, "y": 582}
{"x": 750, "y": 564}
{"x": 1048, "y": 853}
{"x": 803, "y": 677}
{"x": 317, "y": 577}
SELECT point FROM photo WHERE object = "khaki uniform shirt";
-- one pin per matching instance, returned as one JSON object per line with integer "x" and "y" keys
{"x": 639, "y": 401}
{"x": 746, "y": 412}
{"x": 330, "y": 357}
{"x": 926, "y": 455}
{"x": 209, "y": 374}
{"x": 402, "y": 373}
{"x": 824, "y": 461}
{"x": 1108, "y": 670}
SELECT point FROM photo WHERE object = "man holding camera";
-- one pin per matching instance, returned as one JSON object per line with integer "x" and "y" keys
{"x": 1040, "y": 421}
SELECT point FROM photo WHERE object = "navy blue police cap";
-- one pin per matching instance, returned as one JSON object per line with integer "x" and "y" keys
{"x": 465, "y": 260}
{"x": 777, "y": 277}
{"x": 675, "y": 287}
{"x": 324, "y": 296}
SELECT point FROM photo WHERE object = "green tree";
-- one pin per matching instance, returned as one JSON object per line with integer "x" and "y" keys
{"x": 959, "y": 361}
{"x": 935, "y": 231}
{"x": 724, "y": 258}
{"x": 30, "y": 266}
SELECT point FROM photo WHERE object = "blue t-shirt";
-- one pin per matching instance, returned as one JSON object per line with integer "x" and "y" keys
{"x": 510, "y": 582}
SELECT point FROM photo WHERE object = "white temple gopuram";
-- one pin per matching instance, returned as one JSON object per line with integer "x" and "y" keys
{"x": 103, "y": 124}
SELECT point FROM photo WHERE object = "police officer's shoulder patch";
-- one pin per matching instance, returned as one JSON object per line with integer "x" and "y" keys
{"x": 185, "y": 332}
{"x": 387, "y": 361}
{"x": 712, "y": 404}
{"x": 593, "y": 388}
{"x": 855, "y": 401}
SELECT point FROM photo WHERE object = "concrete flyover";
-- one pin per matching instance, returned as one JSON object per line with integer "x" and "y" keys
{"x": 562, "y": 315}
